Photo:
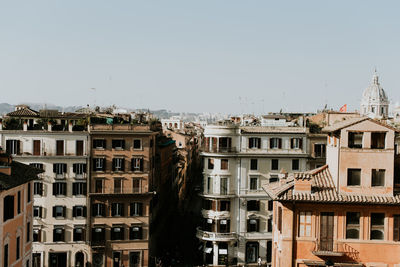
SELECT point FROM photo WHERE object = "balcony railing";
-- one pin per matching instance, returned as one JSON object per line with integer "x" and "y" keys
{"x": 211, "y": 236}
{"x": 328, "y": 248}
{"x": 219, "y": 149}
{"x": 215, "y": 214}
{"x": 111, "y": 190}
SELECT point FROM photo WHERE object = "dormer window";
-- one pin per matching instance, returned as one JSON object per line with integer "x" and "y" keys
{"x": 378, "y": 140}
{"x": 355, "y": 140}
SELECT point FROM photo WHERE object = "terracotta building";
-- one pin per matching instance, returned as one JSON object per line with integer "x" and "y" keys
{"x": 16, "y": 210}
{"x": 345, "y": 213}
{"x": 122, "y": 170}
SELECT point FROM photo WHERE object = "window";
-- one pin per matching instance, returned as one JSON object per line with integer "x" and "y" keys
{"x": 136, "y": 187}
{"x": 37, "y": 235}
{"x": 117, "y": 185}
{"x": 253, "y": 183}
{"x": 29, "y": 193}
{"x": 269, "y": 225}
{"x": 5, "y": 259}
{"x": 396, "y": 227}
{"x": 8, "y": 212}
{"x": 99, "y": 210}
{"x": 137, "y": 144}
{"x": 134, "y": 259}
{"x": 58, "y": 234}
{"x": 118, "y": 144}
{"x": 378, "y": 177}
{"x": 209, "y": 185}
{"x": 79, "y": 147}
{"x": 280, "y": 219}
{"x": 37, "y": 211}
{"x": 28, "y": 232}
{"x": 36, "y": 147}
{"x": 273, "y": 178}
{"x": 253, "y": 205}
{"x": 136, "y": 209}
{"x": 274, "y": 164}
{"x": 320, "y": 150}
{"x": 99, "y": 164}
{"x": 19, "y": 202}
{"x": 36, "y": 259}
{"x": 352, "y": 225}
{"x": 225, "y": 144}
{"x": 253, "y": 164}
{"x": 253, "y": 225}
{"x": 305, "y": 223}
{"x": 37, "y": 165}
{"x": 355, "y": 139}
{"x": 18, "y": 247}
{"x": 224, "y": 164}
{"x": 295, "y": 164}
{"x": 60, "y": 147}
{"x": 117, "y": 209}
{"x": 79, "y": 233}
{"x": 79, "y": 211}
{"x": 135, "y": 232}
{"x": 118, "y": 164}
{"x": 275, "y": 143}
{"x": 270, "y": 205}
{"x": 254, "y": 142}
{"x": 378, "y": 140}
{"x": 79, "y": 189}
{"x": 252, "y": 249}
{"x": 353, "y": 176}
{"x": 207, "y": 204}
{"x": 98, "y": 234}
{"x": 377, "y": 226}
{"x": 13, "y": 147}
{"x": 38, "y": 188}
{"x": 59, "y": 169}
{"x": 79, "y": 169}
{"x": 137, "y": 164}
{"x": 296, "y": 143}
{"x": 224, "y": 205}
{"x": 98, "y": 186}
{"x": 99, "y": 143}
{"x": 223, "y": 186}
{"x": 59, "y": 188}
{"x": 210, "y": 164}
{"x": 59, "y": 211}
{"x": 117, "y": 233}
{"x": 224, "y": 226}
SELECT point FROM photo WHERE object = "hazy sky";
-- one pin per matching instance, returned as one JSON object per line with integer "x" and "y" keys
{"x": 216, "y": 56}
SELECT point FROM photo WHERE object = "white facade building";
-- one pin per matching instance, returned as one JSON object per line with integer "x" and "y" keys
{"x": 375, "y": 102}
{"x": 172, "y": 123}
{"x": 60, "y": 202}
{"x": 238, "y": 161}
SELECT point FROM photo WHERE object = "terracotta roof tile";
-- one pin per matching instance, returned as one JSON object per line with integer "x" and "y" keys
{"x": 25, "y": 112}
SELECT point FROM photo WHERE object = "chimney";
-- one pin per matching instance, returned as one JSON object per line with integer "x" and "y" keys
{"x": 5, "y": 163}
{"x": 49, "y": 126}
{"x": 70, "y": 126}
{"x": 302, "y": 183}
{"x": 25, "y": 126}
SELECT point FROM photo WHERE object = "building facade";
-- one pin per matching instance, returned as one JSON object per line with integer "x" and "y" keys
{"x": 374, "y": 101}
{"x": 16, "y": 206}
{"x": 346, "y": 213}
{"x": 122, "y": 171}
{"x": 237, "y": 214}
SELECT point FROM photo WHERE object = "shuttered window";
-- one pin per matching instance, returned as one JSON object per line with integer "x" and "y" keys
{"x": 305, "y": 223}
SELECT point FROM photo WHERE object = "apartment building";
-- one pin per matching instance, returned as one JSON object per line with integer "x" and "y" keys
{"x": 16, "y": 206}
{"x": 57, "y": 144}
{"x": 238, "y": 162}
{"x": 345, "y": 213}
{"x": 122, "y": 172}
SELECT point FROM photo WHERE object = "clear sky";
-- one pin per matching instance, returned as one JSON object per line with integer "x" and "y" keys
{"x": 211, "y": 55}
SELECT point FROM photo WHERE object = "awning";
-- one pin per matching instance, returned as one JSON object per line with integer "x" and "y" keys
{"x": 338, "y": 264}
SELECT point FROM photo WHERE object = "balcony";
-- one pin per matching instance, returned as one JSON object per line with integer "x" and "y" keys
{"x": 117, "y": 191}
{"x": 215, "y": 214}
{"x": 330, "y": 248}
{"x": 211, "y": 236}
{"x": 121, "y": 127}
{"x": 218, "y": 149}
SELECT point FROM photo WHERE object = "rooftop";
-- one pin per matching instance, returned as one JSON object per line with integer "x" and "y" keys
{"x": 20, "y": 174}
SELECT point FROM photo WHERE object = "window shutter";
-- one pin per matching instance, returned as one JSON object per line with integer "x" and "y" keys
{"x": 113, "y": 164}
{"x": 248, "y": 225}
{"x": 291, "y": 142}
{"x": 64, "y": 189}
{"x": 54, "y": 167}
{"x": 41, "y": 189}
{"x": 280, "y": 142}
{"x": 102, "y": 210}
{"x": 40, "y": 212}
{"x": 132, "y": 164}
{"x": 74, "y": 167}
{"x": 54, "y": 189}
{"x": 301, "y": 143}
{"x": 258, "y": 205}
{"x": 141, "y": 164}
{"x": 258, "y": 225}
{"x": 84, "y": 188}
{"x": 250, "y": 142}
{"x": 113, "y": 143}
{"x": 270, "y": 143}
{"x": 104, "y": 164}
{"x": 122, "y": 210}
{"x": 140, "y": 208}
{"x": 140, "y": 233}
{"x": 54, "y": 211}
{"x": 84, "y": 211}
{"x": 8, "y": 146}
{"x": 259, "y": 143}
{"x": 104, "y": 143}
{"x": 123, "y": 144}
{"x": 19, "y": 147}
{"x": 74, "y": 188}
{"x": 123, "y": 164}
{"x": 64, "y": 168}
{"x": 84, "y": 167}
{"x": 94, "y": 164}
{"x": 74, "y": 211}
{"x": 94, "y": 213}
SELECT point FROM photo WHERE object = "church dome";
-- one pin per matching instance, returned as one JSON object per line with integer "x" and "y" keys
{"x": 374, "y": 93}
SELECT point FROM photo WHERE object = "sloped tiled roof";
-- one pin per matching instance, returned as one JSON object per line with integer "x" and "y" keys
{"x": 343, "y": 124}
{"x": 24, "y": 112}
{"x": 20, "y": 174}
{"x": 323, "y": 190}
